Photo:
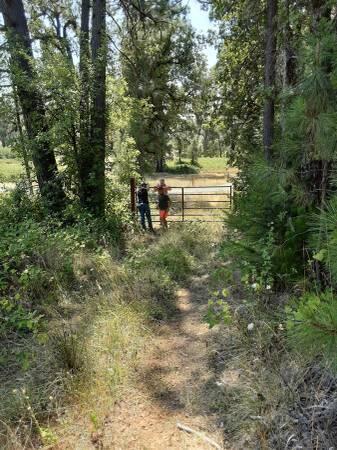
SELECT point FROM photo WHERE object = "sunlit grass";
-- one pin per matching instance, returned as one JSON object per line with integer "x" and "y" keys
{"x": 10, "y": 169}
{"x": 212, "y": 164}
{"x": 204, "y": 164}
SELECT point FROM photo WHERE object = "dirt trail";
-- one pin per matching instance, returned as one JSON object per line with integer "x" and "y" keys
{"x": 173, "y": 385}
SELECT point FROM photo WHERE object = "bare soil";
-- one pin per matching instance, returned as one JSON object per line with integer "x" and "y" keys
{"x": 173, "y": 385}
{"x": 171, "y": 388}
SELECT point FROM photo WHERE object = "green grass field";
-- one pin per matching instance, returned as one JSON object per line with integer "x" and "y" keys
{"x": 212, "y": 164}
{"x": 10, "y": 169}
{"x": 205, "y": 164}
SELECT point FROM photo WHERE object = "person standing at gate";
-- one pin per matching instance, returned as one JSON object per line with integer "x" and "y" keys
{"x": 162, "y": 187}
{"x": 164, "y": 204}
{"x": 164, "y": 201}
{"x": 144, "y": 206}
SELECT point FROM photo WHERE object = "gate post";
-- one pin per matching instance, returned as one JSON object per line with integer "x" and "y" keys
{"x": 183, "y": 204}
{"x": 133, "y": 196}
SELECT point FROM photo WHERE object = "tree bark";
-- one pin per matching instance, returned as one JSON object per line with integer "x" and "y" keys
{"x": 269, "y": 78}
{"x": 93, "y": 181}
{"x": 22, "y": 140}
{"x": 84, "y": 67}
{"x": 160, "y": 164}
{"x": 31, "y": 103}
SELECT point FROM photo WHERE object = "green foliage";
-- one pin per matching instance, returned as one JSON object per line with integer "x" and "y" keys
{"x": 218, "y": 311}
{"x": 169, "y": 255}
{"x": 324, "y": 240}
{"x": 6, "y": 153}
{"x": 312, "y": 324}
{"x": 176, "y": 261}
{"x": 239, "y": 75}
{"x": 124, "y": 154}
{"x": 266, "y": 229}
{"x": 10, "y": 170}
{"x": 37, "y": 257}
{"x": 158, "y": 60}
{"x": 181, "y": 168}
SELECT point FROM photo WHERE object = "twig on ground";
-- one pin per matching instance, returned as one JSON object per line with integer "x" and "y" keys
{"x": 189, "y": 430}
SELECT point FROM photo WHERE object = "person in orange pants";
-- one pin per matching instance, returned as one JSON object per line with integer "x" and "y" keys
{"x": 164, "y": 203}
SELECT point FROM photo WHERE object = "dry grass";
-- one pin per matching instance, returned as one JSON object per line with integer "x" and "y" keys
{"x": 270, "y": 397}
{"x": 71, "y": 373}
{"x": 87, "y": 350}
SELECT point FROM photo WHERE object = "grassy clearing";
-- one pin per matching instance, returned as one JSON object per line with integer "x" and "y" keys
{"x": 10, "y": 169}
{"x": 6, "y": 153}
{"x": 95, "y": 325}
{"x": 216, "y": 164}
{"x": 204, "y": 165}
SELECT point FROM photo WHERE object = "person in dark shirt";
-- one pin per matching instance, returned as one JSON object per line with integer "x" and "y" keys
{"x": 144, "y": 206}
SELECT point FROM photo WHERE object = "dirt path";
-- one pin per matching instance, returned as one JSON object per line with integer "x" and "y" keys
{"x": 173, "y": 385}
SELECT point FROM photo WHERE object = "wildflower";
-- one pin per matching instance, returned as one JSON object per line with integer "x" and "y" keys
{"x": 51, "y": 398}
{"x": 268, "y": 287}
{"x": 254, "y": 285}
{"x": 29, "y": 408}
{"x": 280, "y": 327}
{"x": 250, "y": 327}
{"x": 14, "y": 391}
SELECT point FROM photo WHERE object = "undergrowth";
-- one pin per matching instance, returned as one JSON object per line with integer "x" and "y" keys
{"x": 78, "y": 298}
{"x": 272, "y": 392}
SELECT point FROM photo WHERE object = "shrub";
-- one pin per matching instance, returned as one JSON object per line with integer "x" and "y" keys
{"x": 181, "y": 168}
{"x": 266, "y": 231}
{"x": 312, "y": 324}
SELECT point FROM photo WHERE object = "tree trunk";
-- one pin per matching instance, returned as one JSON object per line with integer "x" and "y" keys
{"x": 22, "y": 140}
{"x": 93, "y": 181}
{"x": 84, "y": 68}
{"x": 160, "y": 164}
{"x": 180, "y": 149}
{"x": 31, "y": 103}
{"x": 269, "y": 78}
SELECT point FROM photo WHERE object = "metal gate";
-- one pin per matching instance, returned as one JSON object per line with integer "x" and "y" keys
{"x": 197, "y": 203}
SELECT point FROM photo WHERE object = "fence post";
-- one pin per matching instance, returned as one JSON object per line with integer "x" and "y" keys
{"x": 183, "y": 204}
{"x": 133, "y": 195}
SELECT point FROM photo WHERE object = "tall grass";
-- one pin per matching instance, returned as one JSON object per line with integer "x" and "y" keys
{"x": 93, "y": 331}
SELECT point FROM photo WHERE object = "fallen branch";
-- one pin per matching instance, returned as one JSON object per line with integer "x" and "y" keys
{"x": 189, "y": 430}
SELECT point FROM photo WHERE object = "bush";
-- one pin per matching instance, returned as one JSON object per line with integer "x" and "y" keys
{"x": 181, "y": 168}
{"x": 266, "y": 231}
{"x": 312, "y": 324}
{"x": 37, "y": 257}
